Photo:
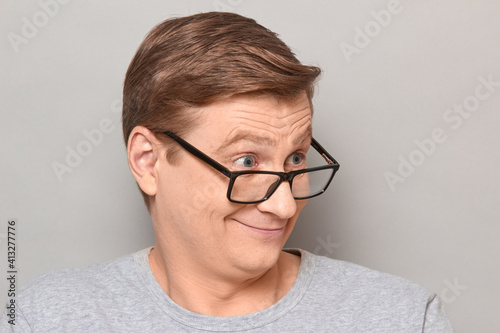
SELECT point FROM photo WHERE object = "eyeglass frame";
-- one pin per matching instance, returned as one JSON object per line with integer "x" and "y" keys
{"x": 284, "y": 176}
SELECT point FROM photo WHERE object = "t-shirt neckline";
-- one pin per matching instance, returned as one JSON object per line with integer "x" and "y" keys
{"x": 226, "y": 324}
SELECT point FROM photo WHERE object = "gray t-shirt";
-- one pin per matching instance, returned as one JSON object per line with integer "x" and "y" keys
{"x": 123, "y": 296}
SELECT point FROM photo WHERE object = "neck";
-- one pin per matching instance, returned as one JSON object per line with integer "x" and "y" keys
{"x": 213, "y": 294}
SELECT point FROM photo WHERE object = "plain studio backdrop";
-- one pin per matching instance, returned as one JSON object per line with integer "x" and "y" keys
{"x": 408, "y": 103}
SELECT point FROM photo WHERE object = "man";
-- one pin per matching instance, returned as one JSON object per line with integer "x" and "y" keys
{"x": 217, "y": 120}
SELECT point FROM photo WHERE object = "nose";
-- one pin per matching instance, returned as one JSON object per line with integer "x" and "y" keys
{"x": 281, "y": 203}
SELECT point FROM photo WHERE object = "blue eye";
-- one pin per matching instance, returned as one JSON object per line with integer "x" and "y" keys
{"x": 294, "y": 159}
{"x": 246, "y": 161}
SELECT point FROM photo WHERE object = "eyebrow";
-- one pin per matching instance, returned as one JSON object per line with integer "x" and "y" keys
{"x": 259, "y": 140}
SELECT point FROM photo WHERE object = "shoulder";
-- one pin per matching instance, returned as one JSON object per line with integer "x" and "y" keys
{"x": 367, "y": 299}
{"x": 79, "y": 293}
{"x": 360, "y": 279}
{"x": 74, "y": 280}
{"x": 344, "y": 285}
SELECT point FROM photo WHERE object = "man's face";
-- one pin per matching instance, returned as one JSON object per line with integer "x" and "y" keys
{"x": 193, "y": 217}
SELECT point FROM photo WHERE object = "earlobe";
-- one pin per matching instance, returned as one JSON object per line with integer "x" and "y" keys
{"x": 142, "y": 152}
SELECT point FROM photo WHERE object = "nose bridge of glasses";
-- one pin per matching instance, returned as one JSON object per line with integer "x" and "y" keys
{"x": 277, "y": 184}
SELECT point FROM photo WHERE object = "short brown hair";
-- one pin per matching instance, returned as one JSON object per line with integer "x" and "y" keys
{"x": 192, "y": 61}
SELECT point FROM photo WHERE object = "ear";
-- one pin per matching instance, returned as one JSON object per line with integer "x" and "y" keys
{"x": 143, "y": 150}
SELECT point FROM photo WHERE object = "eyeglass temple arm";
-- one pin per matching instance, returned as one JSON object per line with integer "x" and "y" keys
{"x": 193, "y": 150}
{"x": 329, "y": 159}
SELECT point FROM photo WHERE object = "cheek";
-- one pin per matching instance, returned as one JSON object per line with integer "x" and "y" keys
{"x": 196, "y": 197}
{"x": 194, "y": 215}
{"x": 202, "y": 197}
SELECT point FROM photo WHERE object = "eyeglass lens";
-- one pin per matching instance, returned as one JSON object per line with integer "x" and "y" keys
{"x": 255, "y": 187}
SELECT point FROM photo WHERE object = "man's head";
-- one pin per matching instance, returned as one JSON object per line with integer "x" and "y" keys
{"x": 188, "y": 62}
{"x": 232, "y": 89}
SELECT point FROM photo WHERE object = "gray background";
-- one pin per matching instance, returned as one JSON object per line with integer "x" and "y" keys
{"x": 440, "y": 227}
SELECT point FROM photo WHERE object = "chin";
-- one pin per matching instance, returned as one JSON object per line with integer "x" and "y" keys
{"x": 260, "y": 260}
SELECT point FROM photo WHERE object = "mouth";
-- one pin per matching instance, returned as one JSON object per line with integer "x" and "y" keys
{"x": 263, "y": 231}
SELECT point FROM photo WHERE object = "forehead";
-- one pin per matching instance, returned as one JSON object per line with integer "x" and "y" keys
{"x": 266, "y": 117}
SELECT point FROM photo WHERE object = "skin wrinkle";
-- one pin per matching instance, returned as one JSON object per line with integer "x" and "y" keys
{"x": 297, "y": 127}
{"x": 296, "y": 123}
{"x": 263, "y": 141}
{"x": 258, "y": 140}
{"x": 254, "y": 139}
{"x": 242, "y": 136}
{"x": 275, "y": 117}
{"x": 275, "y": 126}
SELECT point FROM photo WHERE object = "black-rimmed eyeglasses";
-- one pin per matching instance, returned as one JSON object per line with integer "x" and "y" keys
{"x": 254, "y": 186}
